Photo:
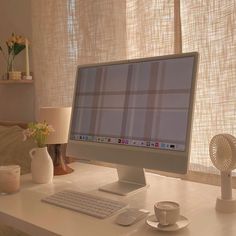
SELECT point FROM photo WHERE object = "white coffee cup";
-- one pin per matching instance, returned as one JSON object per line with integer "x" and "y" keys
{"x": 167, "y": 212}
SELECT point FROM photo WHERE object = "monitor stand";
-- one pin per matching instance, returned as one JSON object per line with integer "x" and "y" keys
{"x": 131, "y": 180}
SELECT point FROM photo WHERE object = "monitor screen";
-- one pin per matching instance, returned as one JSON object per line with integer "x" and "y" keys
{"x": 135, "y": 112}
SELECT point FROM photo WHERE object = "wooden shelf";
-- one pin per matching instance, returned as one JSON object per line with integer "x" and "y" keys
{"x": 22, "y": 81}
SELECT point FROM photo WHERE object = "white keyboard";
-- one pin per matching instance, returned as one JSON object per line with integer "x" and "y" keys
{"x": 85, "y": 203}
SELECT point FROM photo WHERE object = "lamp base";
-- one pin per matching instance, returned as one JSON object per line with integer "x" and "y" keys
{"x": 62, "y": 170}
{"x": 57, "y": 152}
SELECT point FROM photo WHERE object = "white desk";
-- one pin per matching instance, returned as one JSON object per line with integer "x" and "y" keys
{"x": 25, "y": 211}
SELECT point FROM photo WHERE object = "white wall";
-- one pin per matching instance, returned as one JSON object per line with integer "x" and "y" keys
{"x": 16, "y": 101}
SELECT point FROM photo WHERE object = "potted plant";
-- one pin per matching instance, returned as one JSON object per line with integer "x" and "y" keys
{"x": 15, "y": 44}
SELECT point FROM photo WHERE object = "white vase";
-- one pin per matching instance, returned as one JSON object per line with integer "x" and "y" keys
{"x": 41, "y": 165}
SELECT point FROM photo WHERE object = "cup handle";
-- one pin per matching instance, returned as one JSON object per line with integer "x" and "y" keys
{"x": 32, "y": 152}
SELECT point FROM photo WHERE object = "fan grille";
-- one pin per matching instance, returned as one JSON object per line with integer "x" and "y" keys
{"x": 222, "y": 151}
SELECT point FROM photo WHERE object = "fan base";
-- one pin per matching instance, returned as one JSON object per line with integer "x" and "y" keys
{"x": 226, "y": 206}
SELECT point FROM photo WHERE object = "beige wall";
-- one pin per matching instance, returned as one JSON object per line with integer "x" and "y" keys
{"x": 16, "y": 101}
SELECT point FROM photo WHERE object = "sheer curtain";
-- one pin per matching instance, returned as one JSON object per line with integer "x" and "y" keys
{"x": 54, "y": 63}
{"x": 150, "y": 28}
{"x": 209, "y": 27}
{"x": 71, "y": 32}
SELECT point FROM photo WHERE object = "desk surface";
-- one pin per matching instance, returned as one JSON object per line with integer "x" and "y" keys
{"x": 25, "y": 211}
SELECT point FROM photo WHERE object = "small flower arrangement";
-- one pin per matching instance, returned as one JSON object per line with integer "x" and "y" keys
{"x": 38, "y": 132}
{"x": 15, "y": 44}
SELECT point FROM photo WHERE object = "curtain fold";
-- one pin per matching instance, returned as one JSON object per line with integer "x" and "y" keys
{"x": 54, "y": 67}
{"x": 101, "y": 31}
{"x": 150, "y": 28}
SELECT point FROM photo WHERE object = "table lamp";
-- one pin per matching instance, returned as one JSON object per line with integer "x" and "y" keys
{"x": 59, "y": 118}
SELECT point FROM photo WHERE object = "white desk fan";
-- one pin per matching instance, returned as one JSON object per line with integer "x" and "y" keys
{"x": 223, "y": 156}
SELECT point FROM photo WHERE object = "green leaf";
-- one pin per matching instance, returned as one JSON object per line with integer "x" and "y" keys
{"x": 18, "y": 48}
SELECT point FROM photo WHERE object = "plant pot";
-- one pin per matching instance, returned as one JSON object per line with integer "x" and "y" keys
{"x": 14, "y": 75}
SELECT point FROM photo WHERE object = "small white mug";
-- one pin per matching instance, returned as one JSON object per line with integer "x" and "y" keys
{"x": 167, "y": 212}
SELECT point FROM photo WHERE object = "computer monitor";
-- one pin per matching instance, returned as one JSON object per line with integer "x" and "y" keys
{"x": 136, "y": 114}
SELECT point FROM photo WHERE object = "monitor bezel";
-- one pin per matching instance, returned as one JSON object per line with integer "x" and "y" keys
{"x": 156, "y": 159}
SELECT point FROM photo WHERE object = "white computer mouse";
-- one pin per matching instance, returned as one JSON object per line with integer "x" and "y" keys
{"x": 131, "y": 216}
{"x": 125, "y": 219}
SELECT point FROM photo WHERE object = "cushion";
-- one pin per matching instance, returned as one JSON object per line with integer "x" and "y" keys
{"x": 13, "y": 150}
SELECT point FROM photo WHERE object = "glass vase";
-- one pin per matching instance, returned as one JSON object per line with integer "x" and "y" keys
{"x": 10, "y": 64}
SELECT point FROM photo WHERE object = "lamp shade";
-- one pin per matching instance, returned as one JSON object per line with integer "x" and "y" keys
{"x": 59, "y": 119}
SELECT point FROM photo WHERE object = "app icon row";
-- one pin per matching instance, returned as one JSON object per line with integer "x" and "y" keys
{"x": 131, "y": 142}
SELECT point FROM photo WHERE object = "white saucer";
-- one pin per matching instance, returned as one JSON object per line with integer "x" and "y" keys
{"x": 181, "y": 223}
